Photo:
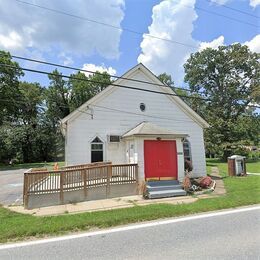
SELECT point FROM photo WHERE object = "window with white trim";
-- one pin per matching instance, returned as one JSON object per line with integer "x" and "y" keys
{"x": 97, "y": 150}
{"x": 187, "y": 150}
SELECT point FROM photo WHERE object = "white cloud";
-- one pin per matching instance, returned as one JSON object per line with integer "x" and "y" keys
{"x": 24, "y": 27}
{"x": 174, "y": 21}
{"x": 254, "y": 44}
{"x": 12, "y": 40}
{"x": 213, "y": 44}
{"x": 220, "y": 2}
{"x": 171, "y": 20}
{"x": 254, "y": 3}
{"x": 102, "y": 68}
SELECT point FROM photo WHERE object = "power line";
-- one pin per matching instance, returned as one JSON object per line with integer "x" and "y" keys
{"x": 138, "y": 114}
{"x": 99, "y": 82}
{"x": 233, "y": 9}
{"x": 106, "y": 109}
{"x": 113, "y": 84}
{"x": 106, "y": 24}
{"x": 40, "y": 106}
{"x": 117, "y": 111}
{"x": 93, "y": 72}
{"x": 130, "y": 30}
{"x": 225, "y": 16}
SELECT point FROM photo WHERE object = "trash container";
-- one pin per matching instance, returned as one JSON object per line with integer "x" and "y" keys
{"x": 236, "y": 165}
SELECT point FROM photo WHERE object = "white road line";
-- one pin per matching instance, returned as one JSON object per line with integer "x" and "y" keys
{"x": 130, "y": 227}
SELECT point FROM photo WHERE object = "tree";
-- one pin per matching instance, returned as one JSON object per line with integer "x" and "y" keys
{"x": 99, "y": 82}
{"x": 166, "y": 79}
{"x": 57, "y": 97}
{"x": 9, "y": 86}
{"x": 229, "y": 78}
{"x": 84, "y": 88}
{"x": 18, "y": 135}
{"x": 63, "y": 97}
{"x": 30, "y": 114}
{"x": 26, "y": 125}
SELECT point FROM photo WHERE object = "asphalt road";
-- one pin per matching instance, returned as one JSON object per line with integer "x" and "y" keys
{"x": 11, "y": 187}
{"x": 234, "y": 235}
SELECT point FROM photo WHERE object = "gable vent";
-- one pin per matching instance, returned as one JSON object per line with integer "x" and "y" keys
{"x": 114, "y": 138}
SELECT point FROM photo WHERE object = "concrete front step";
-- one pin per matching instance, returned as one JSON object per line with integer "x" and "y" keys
{"x": 163, "y": 187}
{"x": 162, "y": 183}
{"x": 166, "y": 193}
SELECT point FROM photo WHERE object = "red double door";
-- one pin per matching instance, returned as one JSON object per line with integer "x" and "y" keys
{"x": 160, "y": 159}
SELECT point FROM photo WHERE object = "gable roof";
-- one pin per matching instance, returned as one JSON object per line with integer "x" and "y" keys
{"x": 162, "y": 88}
{"x": 147, "y": 128}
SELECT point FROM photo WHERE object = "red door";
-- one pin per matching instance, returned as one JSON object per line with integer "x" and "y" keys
{"x": 160, "y": 159}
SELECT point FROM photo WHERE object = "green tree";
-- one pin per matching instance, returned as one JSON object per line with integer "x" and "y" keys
{"x": 84, "y": 88}
{"x": 62, "y": 97}
{"x": 9, "y": 86}
{"x": 229, "y": 78}
{"x": 99, "y": 82}
{"x": 18, "y": 136}
{"x": 166, "y": 79}
{"x": 57, "y": 97}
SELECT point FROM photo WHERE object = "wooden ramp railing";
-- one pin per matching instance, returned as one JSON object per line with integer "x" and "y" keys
{"x": 77, "y": 177}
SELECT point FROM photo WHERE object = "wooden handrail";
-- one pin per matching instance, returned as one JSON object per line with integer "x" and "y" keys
{"x": 78, "y": 169}
{"x": 42, "y": 182}
{"x": 86, "y": 165}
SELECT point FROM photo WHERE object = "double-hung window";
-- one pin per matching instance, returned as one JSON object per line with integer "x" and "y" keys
{"x": 97, "y": 150}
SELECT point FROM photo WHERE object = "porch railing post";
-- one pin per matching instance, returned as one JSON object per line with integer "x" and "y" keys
{"x": 109, "y": 175}
{"x": 136, "y": 178}
{"x": 61, "y": 188}
{"x": 25, "y": 190}
{"x": 85, "y": 182}
{"x": 136, "y": 172}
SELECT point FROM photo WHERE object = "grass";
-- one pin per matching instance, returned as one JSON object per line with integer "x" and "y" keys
{"x": 48, "y": 165}
{"x": 251, "y": 166}
{"x": 241, "y": 191}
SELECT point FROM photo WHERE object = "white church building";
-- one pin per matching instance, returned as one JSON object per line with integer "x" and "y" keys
{"x": 123, "y": 124}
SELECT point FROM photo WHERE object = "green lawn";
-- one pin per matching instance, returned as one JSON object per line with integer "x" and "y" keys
{"x": 253, "y": 166}
{"x": 49, "y": 165}
{"x": 14, "y": 226}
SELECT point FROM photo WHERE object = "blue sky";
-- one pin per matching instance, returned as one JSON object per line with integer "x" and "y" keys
{"x": 44, "y": 35}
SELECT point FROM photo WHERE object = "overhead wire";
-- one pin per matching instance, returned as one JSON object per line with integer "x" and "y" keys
{"x": 133, "y": 31}
{"x": 40, "y": 106}
{"x": 225, "y": 16}
{"x": 103, "y": 83}
{"x": 138, "y": 114}
{"x": 93, "y": 72}
{"x": 233, "y": 9}
{"x": 106, "y": 109}
{"x": 143, "y": 115}
{"x": 113, "y": 84}
{"x": 105, "y": 24}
